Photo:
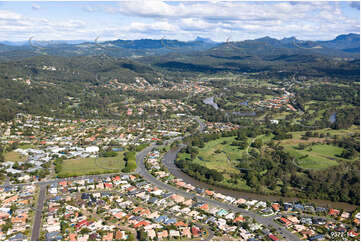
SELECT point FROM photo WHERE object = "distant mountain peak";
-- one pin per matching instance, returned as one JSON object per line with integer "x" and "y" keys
{"x": 289, "y": 38}
{"x": 206, "y": 40}
{"x": 348, "y": 36}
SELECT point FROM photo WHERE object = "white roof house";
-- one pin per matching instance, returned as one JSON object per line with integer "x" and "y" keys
{"x": 92, "y": 149}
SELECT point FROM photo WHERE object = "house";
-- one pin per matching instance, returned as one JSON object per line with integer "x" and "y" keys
{"x": 285, "y": 221}
{"x": 195, "y": 231}
{"x": 186, "y": 232}
{"x": 180, "y": 224}
{"x": 174, "y": 233}
{"x": 161, "y": 219}
{"x": 299, "y": 227}
{"x": 163, "y": 234}
{"x": 177, "y": 198}
{"x": 319, "y": 221}
{"x": 188, "y": 202}
{"x": 299, "y": 207}
{"x": 276, "y": 206}
{"x": 108, "y": 236}
{"x": 287, "y": 206}
{"x": 240, "y": 201}
{"x": 293, "y": 219}
{"x": 345, "y": 215}
{"x": 239, "y": 219}
{"x": 272, "y": 237}
{"x": 72, "y": 237}
{"x": 209, "y": 193}
{"x": 151, "y": 234}
{"x": 204, "y": 207}
{"x": 222, "y": 212}
{"x": 170, "y": 221}
{"x": 320, "y": 209}
{"x": 142, "y": 223}
{"x": 334, "y": 212}
{"x": 92, "y": 149}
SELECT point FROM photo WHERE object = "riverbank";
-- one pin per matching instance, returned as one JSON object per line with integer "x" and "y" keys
{"x": 170, "y": 156}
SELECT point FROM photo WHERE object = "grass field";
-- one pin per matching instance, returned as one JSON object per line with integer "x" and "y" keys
{"x": 320, "y": 156}
{"x": 14, "y": 156}
{"x": 86, "y": 166}
{"x": 218, "y": 156}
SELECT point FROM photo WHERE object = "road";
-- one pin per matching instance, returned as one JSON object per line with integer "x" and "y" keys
{"x": 39, "y": 210}
{"x": 141, "y": 170}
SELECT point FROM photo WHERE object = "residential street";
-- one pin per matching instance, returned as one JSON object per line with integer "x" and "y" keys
{"x": 141, "y": 170}
{"x": 38, "y": 214}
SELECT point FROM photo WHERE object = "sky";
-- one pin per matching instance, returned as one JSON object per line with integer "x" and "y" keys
{"x": 182, "y": 20}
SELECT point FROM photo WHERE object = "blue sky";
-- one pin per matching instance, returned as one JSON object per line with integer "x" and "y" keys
{"x": 156, "y": 19}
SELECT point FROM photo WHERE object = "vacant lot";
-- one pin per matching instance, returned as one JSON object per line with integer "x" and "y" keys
{"x": 14, "y": 156}
{"x": 87, "y": 166}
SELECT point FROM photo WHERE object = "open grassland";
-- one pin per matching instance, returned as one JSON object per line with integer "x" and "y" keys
{"x": 86, "y": 166}
{"x": 220, "y": 155}
{"x": 14, "y": 156}
{"x": 319, "y": 156}
{"x": 296, "y": 136}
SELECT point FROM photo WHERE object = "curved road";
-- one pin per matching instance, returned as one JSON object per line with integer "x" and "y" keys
{"x": 268, "y": 221}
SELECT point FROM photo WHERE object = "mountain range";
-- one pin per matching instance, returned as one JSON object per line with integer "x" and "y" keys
{"x": 339, "y": 57}
{"x": 344, "y": 46}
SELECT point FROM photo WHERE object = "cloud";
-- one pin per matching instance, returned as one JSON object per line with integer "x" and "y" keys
{"x": 185, "y": 20}
{"x": 35, "y": 7}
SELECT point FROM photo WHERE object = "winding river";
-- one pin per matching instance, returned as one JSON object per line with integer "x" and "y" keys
{"x": 171, "y": 155}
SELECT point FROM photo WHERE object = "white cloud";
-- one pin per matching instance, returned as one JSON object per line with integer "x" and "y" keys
{"x": 35, "y": 6}
{"x": 217, "y": 19}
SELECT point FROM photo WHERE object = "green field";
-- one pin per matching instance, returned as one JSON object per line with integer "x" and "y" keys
{"x": 218, "y": 156}
{"x": 86, "y": 166}
{"x": 14, "y": 156}
{"x": 320, "y": 156}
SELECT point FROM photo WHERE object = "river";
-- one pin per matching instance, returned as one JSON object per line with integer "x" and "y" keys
{"x": 170, "y": 156}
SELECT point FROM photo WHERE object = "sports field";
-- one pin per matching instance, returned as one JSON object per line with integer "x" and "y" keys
{"x": 88, "y": 166}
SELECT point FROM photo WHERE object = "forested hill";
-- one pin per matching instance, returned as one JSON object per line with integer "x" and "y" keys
{"x": 47, "y": 84}
{"x": 95, "y": 69}
{"x": 117, "y": 48}
{"x": 343, "y": 46}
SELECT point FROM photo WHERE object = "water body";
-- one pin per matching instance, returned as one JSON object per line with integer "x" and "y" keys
{"x": 332, "y": 118}
{"x": 118, "y": 149}
{"x": 170, "y": 156}
{"x": 210, "y": 101}
{"x": 245, "y": 103}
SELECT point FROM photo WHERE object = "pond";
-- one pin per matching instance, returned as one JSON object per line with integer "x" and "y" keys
{"x": 118, "y": 149}
{"x": 245, "y": 103}
{"x": 210, "y": 101}
{"x": 332, "y": 118}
